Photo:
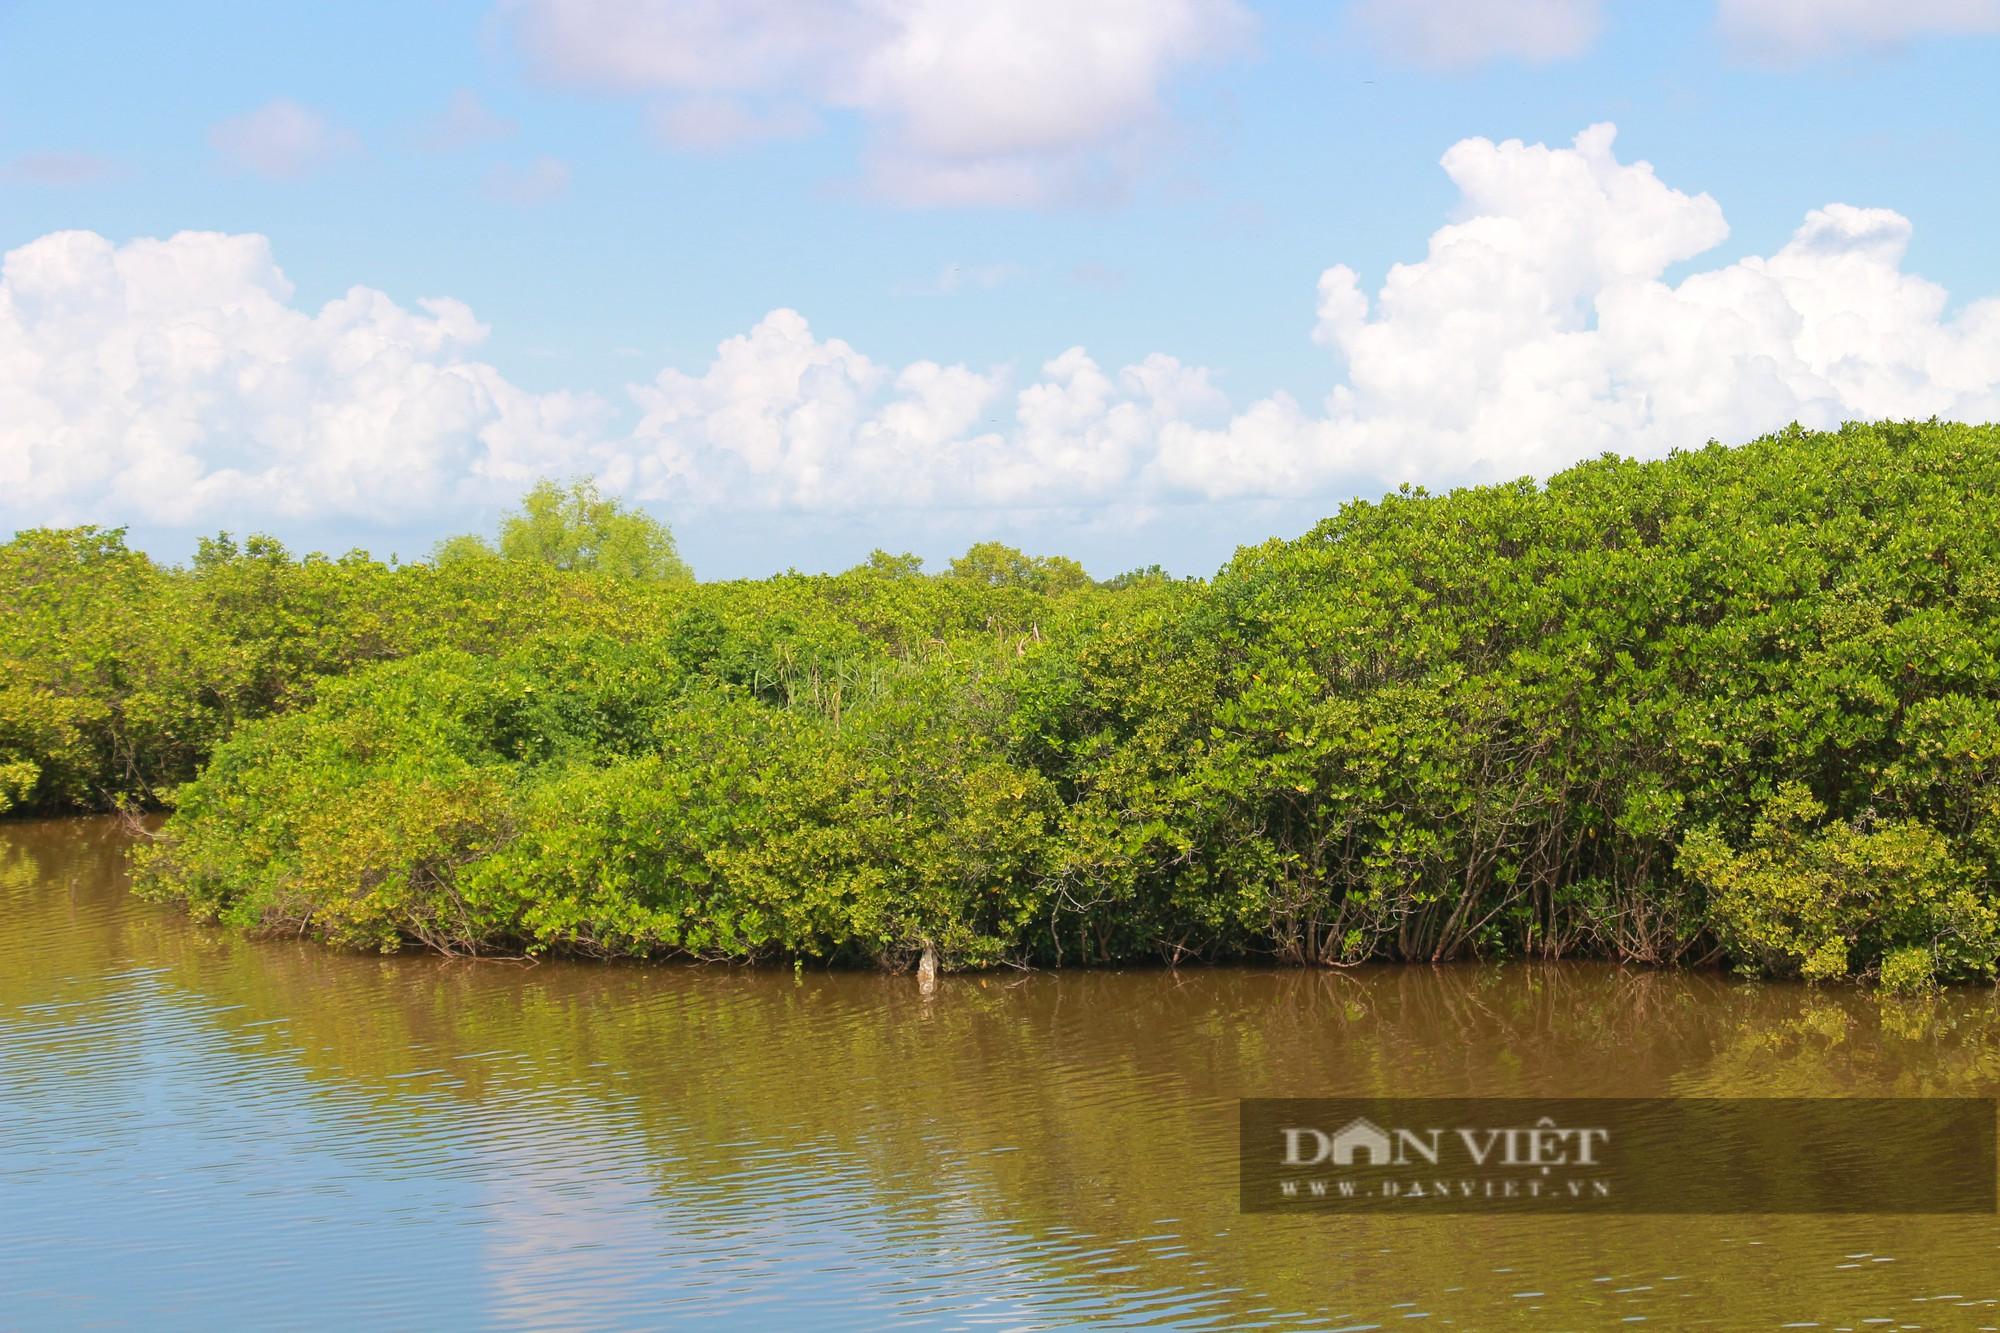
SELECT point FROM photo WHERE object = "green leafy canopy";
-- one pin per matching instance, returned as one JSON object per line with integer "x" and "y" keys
{"x": 1734, "y": 704}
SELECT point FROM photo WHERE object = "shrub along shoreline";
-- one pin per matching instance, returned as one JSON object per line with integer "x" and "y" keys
{"x": 1737, "y": 705}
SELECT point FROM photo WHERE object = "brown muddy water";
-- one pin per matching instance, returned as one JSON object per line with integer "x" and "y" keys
{"x": 200, "y": 1130}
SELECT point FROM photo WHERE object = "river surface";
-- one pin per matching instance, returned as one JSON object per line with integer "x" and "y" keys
{"x": 199, "y": 1130}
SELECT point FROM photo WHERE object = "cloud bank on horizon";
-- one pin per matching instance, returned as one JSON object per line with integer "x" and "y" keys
{"x": 173, "y": 382}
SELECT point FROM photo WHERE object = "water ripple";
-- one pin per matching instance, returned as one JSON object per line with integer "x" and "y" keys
{"x": 197, "y": 1129}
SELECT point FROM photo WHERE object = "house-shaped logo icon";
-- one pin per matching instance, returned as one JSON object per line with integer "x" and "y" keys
{"x": 1361, "y": 1135}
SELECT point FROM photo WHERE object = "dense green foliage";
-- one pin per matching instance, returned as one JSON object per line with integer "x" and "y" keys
{"x": 575, "y": 528}
{"x": 1805, "y": 898}
{"x": 1738, "y": 703}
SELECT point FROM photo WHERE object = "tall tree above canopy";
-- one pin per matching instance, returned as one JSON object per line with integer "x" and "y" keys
{"x": 1001, "y": 566}
{"x": 574, "y": 527}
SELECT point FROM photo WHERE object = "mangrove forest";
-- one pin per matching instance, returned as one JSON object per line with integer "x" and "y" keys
{"x": 1735, "y": 707}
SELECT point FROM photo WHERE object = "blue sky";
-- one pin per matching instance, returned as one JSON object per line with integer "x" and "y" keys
{"x": 611, "y": 189}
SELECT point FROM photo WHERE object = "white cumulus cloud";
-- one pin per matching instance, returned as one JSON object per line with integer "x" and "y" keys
{"x": 783, "y": 420}
{"x": 1539, "y": 331}
{"x": 174, "y": 381}
{"x": 1790, "y": 30}
{"x": 171, "y": 381}
{"x": 1006, "y": 102}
